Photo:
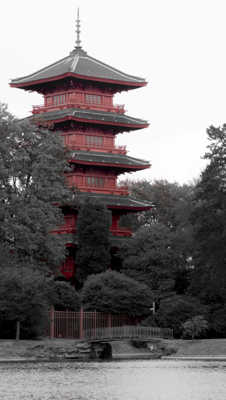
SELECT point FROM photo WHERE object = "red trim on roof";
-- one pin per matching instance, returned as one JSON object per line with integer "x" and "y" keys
{"x": 127, "y": 166}
{"x": 71, "y": 74}
{"x": 131, "y": 208}
{"x": 92, "y": 121}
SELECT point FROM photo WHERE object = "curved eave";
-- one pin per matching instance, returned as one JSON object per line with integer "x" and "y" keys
{"x": 126, "y": 167}
{"x": 121, "y": 207}
{"x": 26, "y": 85}
{"x": 130, "y": 208}
{"x": 90, "y": 121}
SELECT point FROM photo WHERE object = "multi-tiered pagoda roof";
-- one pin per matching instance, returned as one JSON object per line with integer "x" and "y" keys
{"x": 78, "y": 65}
{"x": 78, "y": 101}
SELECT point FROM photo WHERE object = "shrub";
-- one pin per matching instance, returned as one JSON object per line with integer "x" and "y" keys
{"x": 177, "y": 309}
{"x": 194, "y": 327}
{"x": 113, "y": 292}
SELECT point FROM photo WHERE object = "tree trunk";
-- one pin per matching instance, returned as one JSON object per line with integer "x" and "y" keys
{"x": 17, "y": 330}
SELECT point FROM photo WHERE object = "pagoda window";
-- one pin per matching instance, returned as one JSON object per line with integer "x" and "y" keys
{"x": 95, "y": 181}
{"x": 49, "y": 101}
{"x": 59, "y": 99}
{"x": 92, "y": 99}
{"x": 94, "y": 141}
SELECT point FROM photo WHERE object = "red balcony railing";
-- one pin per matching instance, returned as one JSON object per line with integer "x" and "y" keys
{"x": 67, "y": 227}
{"x": 121, "y": 191}
{"x": 70, "y": 228}
{"x": 104, "y": 148}
{"x": 37, "y": 109}
{"x": 121, "y": 232}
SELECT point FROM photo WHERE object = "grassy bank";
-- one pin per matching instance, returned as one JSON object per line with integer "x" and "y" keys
{"x": 199, "y": 347}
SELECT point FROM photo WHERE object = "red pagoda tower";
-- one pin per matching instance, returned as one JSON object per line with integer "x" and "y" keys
{"x": 78, "y": 95}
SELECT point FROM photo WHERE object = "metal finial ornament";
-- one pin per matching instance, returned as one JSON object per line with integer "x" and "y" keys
{"x": 78, "y": 41}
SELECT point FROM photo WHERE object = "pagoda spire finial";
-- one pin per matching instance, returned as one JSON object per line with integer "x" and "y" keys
{"x": 78, "y": 41}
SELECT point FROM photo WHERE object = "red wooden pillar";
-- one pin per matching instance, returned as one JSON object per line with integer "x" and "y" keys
{"x": 115, "y": 220}
{"x": 52, "y": 322}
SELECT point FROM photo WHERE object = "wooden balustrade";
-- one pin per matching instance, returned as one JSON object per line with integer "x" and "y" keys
{"x": 119, "y": 231}
{"x": 70, "y": 227}
{"x": 121, "y": 191}
{"x": 37, "y": 109}
{"x": 103, "y": 148}
{"x": 81, "y": 184}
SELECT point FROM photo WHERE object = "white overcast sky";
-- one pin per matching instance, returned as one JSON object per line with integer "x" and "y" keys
{"x": 177, "y": 45}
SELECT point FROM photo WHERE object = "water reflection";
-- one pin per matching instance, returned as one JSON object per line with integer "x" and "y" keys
{"x": 130, "y": 380}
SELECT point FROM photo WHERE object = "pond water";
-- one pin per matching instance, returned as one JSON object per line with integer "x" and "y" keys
{"x": 117, "y": 380}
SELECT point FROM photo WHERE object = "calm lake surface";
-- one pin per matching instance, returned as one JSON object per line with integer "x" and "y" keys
{"x": 125, "y": 380}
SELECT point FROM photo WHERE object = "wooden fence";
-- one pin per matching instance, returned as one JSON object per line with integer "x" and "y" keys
{"x": 96, "y": 326}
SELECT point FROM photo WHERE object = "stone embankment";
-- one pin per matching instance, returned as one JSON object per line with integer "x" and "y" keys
{"x": 65, "y": 349}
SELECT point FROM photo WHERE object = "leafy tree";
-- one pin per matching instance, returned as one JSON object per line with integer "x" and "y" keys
{"x": 93, "y": 254}
{"x": 172, "y": 203}
{"x": 31, "y": 185}
{"x": 23, "y": 301}
{"x": 209, "y": 221}
{"x": 113, "y": 292}
{"x": 171, "y": 211}
{"x": 194, "y": 327}
{"x": 175, "y": 310}
{"x": 150, "y": 258}
{"x": 62, "y": 295}
{"x": 217, "y": 321}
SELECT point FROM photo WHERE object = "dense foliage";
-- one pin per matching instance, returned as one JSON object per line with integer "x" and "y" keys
{"x": 113, "y": 292}
{"x": 26, "y": 296}
{"x": 209, "y": 220}
{"x": 176, "y": 257}
{"x": 93, "y": 254}
{"x": 31, "y": 184}
{"x": 179, "y": 246}
{"x": 195, "y": 327}
{"x": 32, "y": 162}
{"x": 22, "y": 298}
{"x": 62, "y": 295}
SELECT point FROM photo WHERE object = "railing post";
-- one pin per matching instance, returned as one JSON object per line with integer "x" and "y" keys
{"x": 109, "y": 324}
{"x": 67, "y": 316}
{"x": 52, "y": 322}
{"x": 81, "y": 332}
{"x": 95, "y": 324}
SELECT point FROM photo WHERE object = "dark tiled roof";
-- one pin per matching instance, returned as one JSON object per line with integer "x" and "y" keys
{"x": 120, "y": 160}
{"x": 80, "y": 63}
{"x": 100, "y": 116}
{"x": 114, "y": 201}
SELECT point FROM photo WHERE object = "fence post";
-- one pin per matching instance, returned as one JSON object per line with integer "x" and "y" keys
{"x": 109, "y": 321}
{"x": 67, "y": 323}
{"x": 52, "y": 322}
{"x": 95, "y": 324}
{"x": 81, "y": 333}
{"x": 109, "y": 325}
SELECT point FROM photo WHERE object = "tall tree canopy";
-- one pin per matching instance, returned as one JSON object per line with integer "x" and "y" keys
{"x": 150, "y": 258}
{"x": 93, "y": 254}
{"x": 32, "y": 162}
{"x": 209, "y": 221}
{"x": 162, "y": 245}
